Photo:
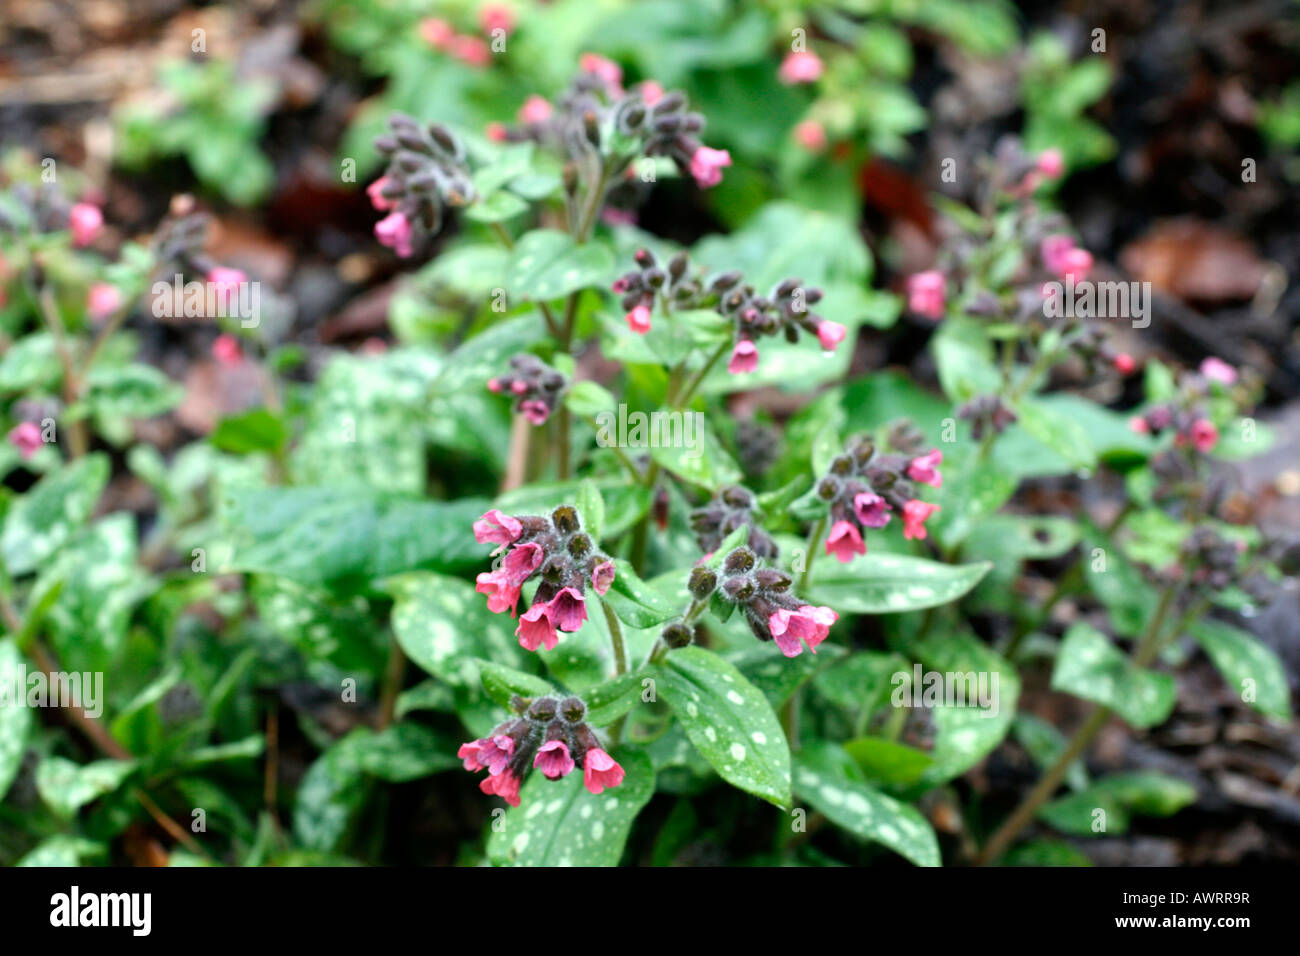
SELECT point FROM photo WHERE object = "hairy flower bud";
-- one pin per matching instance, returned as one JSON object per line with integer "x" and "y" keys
{"x": 677, "y": 635}
{"x": 565, "y": 519}
{"x": 740, "y": 561}
{"x": 702, "y": 583}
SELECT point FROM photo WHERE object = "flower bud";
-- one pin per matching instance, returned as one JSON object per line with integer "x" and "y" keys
{"x": 542, "y": 710}
{"x": 573, "y": 710}
{"x": 676, "y": 635}
{"x": 740, "y": 561}
{"x": 739, "y": 590}
{"x": 828, "y": 489}
{"x": 565, "y": 519}
{"x": 772, "y": 579}
{"x": 580, "y": 545}
{"x": 702, "y": 583}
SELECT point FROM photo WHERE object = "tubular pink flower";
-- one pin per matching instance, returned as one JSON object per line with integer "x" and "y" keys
{"x": 537, "y": 412}
{"x": 811, "y": 135}
{"x": 744, "y": 357}
{"x": 707, "y": 165}
{"x": 638, "y": 320}
{"x": 225, "y": 283}
{"x": 553, "y": 759}
{"x": 505, "y": 785}
{"x": 925, "y": 468}
{"x": 1125, "y": 364}
{"x": 600, "y": 770}
{"x": 497, "y": 528}
{"x": 1051, "y": 163}
{"x": 26, "y": 437}
{"x": 602, "y": 577}
{"x": 831, "y": 334}
{"x": 651, "y": 92}
{"x": 536, "y": 630}
{"x": 496, "y": 16}
{"x": 1053, "y": 251}
{"x": 1217, "y": 370}
{"x": 1138, "y": 425}
{"x": 1076, "y": 264}
{"x": 488, "y": 753}
{"x": 501, "y": 595}
{"x": 226, "y": 350}
{"x": 496, "y": 132}
{"x": 102, "y": 301}
{"x": 567, "y": 610}
{"x": 472, "y": 51}
{"x": 801, "y": 66}
{"x": 926, "y": 292}
{"x": 806, "y": 625}
{"x": 1204, "y": 435}
{"x": 436, "y": 32}
{"x": 502, "y": 586}
{"x": 377, "y": 198}
{"x": 606, "y": 70}
{"x": 844, "y": 541}
{"x": 871, "y": 509}
{"x": 536, "y": 109}
{"x": 915, "y": 514}
{"x": 395, "y": 232}
{"x": 84, "y": 221}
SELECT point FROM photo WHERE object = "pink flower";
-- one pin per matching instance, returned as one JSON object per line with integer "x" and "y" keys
{"x": 613, "y": 216}
{"x": 472, "y": 51}
{"x": 1053, "y": 251}
{"x": 707, "y": 165}
{"x": 811, "y": 135}
{"x": 226, "y": 350}
{"x": 519, "y": 386}
{"x": 1204, "y": 435}
{"x": 496, "y": 132}
{"x": 437, "y": 33}
{"x": 871, "y": 509}
{"x": 925, "y": 294}
{"x": 536, "y": 411}
{"x": 395, "y": 232}
{"x": 606, "y": 70}
{"x": 600, "y": 770}
{"x": 494, "y": 385}
{"x": 496, "y": 16}
{"x": 553, "y": 759}
{"x": 1138, "y": 425}
{"x": 536, "y": 109}
{"x": 489, "y": 753}
{"x": 844, "y": 542}
{"x": 638, "y": 320}
{"x": 744, "y": 357}
{"x": 1051, "y": 163}
{"x": 502, "y": 586}
{"x": 1217, "y": 370}
{"x": 830, "y": 334}
{"x": 85, "y": 221}
{"x": 567, "y": 610}
{"x": 1125, "y": 364}
{"x": 801, "y": 66}
{"x": 1076, "y": 264}
{"x": 536, "y": 630}
{"x": 376, "y": 193}
{"x": 102, "y": 301}
{"x": 808, "y": 625}
{"x": 651, "y": 92}
{"x": 497, "y": 528}
{"x": 26, "y": 437}
{"x": 925, "y": 468}
{"x": 504, "y": 785}
{"x": 915, "y": 514}
{"x": 602, "y": 577}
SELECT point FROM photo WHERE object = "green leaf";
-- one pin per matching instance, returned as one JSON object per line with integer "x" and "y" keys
{"x": 30, "y": 363}
{"x": 257, "y": 430}
{"x": 66, "y": 786}
{"x": 1044, "y": 853}
{"x": 879, "y": 583}
{"x": 887, "y": 762}
{"x": 963, "y": 357}
{"x": 637, "y": 603}
{"x": 502, "y": 683}
{"x": 1121, "y": 795}
{"x": 346, "y": 537}
{"x": 1060, "y": 432}
{"x": 405, "y": 751}
{"x": 1250, "y": 669}
{"x": 1045, "y": 744}
{"x": 729, "y": 721}
{"x": 591, "y": 506}
{"x": 867, "y": 813}
{"x": 703, "y": 462}
{"x": 39, "y": 522}
{"x": 547, "y": 264}
{"x": 131, "y": 391}
{"x": 329, "y": 795}
{"x": 62, "y": 850}
{"x": 559, "y": 823}
{"x": 15, "y": 716}
{"x": 1089, "y": 666}
{"x": 609, "y": 701}
{"x": 587, "y": 399}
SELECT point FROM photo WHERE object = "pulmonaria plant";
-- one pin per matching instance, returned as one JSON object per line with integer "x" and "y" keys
{"x": 732, "y": 508}
{"x": 563, "y": 557}
{"x": 547, "y": 735}
{"x": 536, "y": 387}
{"x": 427, "y": 173}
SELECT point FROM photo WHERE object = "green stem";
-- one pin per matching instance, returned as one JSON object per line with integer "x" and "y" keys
{"x": 689, "y": 391}
{"x": 620, "y": 661}
{"x": 814, "y": 539}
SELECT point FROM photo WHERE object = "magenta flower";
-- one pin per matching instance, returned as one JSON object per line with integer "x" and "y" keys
{"x": 800, "y": 66}
{"x": 602, "y": 576}
{"x": 638, "y": 320}
{"x": 226, "y": 350}
{"x": 606, "y": 70}
{"x": 84, "y": 220}
{"x": 1053, "y": 251}
{"x": 496, "y": 16}
{"x": 494, "y": 385}
{"x": 744, "y": 357}
{"x": 1217, "y": 370}
{"x": 437, "y": 33}
{"x": 102, "y": 301}
{"x": 395, "y": 232}
{"x": 496, "y": 132}
{"x": 488, "y": 753}
{"x": 536, "y": 630}
{"x": 536, "y": 412}
{"x": 871, "y": 509}
{"x": 807, "y": 624}
{"x": 651, "y": 92}
{"x": 830, "y": 334}
{"x": 925, "y": 469}
{"x": 1076, "y": 264}
{"x": 707, "y": 165}
{"x": 844, "y": 542}
{"x": 600, "y": 770}
{"x": 472, "y": 51}
{"x": 1125, "y": 364}
{"x": 377, "y": 198}
{"x": 811, "y": 135}
{"x": 26, "y": 437}
{"x": 1051, "y": 163}
{"x": 568, "y": 609}
{"x": 497, "y": 528}
{"x": 502, "y": 586}
{"x": 1204, "y": 435}
{"x": 1138, "y": 425}
{"x": 536, "y": 109}
{"x": 553, "y": 759}
{"x": 925, "y": 294}
{"x": 915, "y": 514}
{"x": 505, "y": 785}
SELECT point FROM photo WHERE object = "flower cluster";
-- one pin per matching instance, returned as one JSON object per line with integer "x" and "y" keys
{"x": 772, "y": 612}
{"x": 786, "y": 309}
{"x": 536, "y": 387}
{"x": 1212, "y": 559}
{"x": 732, "y": 508}
{"x": 469, "y": 49}
{"x": 863, "y": 489}
{"x": 1186, "y": 414}
{"x": 986, "y": 413}
{"x": 557, "y": 550}
{"x": 426, "y": 174}
{"x": 42, "y": 208}
{"x": 546, "y": 734}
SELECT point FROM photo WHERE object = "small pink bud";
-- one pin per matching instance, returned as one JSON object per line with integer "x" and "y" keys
{"x": 496, "y": 16}
{"x": 437, "y": 33}
{"x": 744, "y": 357}
{"x": 377, "y": 198}
{"x": 800, "y": 67}
{"x": 26, "y": 437}
{"x": 638, "y": 320}
{"x": 1051, "y": 163}
{"x": 811, "y": 135}
{"x": 707, "y": 165}
{"x": 926, "y": 294}
{"x": 1077, "y": 264}
{"x": 102, "y": 301}
{"x": 84, "y": 220}
{"x": 472, "y": 51}
{"x": 1217, "y": 370}
{"x": 606, "y": 70}
{"x": 651, "y": 92}
{"x": 1138, "y": 425}
{"x": 830, "y": 334}
{"x": 536, "y": 109}
{"x": 1125, "y": 364}
{"x": 226, "y": 350}
{"x": 496, "y": 132}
